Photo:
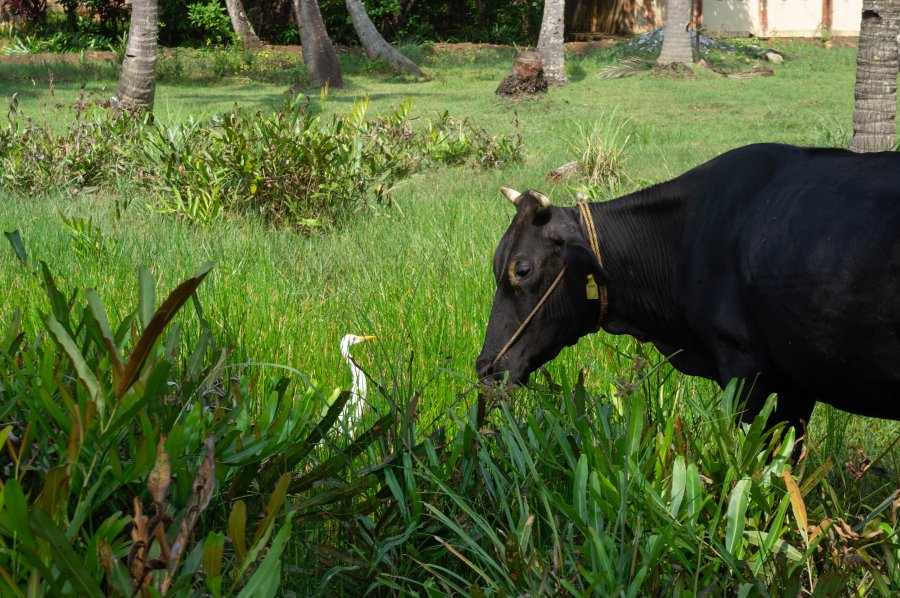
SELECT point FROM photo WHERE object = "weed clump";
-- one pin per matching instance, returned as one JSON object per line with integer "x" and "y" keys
{"x": 292, "y": 166}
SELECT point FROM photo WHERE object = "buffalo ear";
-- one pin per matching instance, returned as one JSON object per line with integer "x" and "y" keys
{"x": 581, "y": 261}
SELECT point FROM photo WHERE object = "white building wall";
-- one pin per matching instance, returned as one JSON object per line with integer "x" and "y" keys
{"x": 795, "y": 18}
{"x": 731, "y": 17}
{"x": 785, "y": 18}
{"x": 846, "y": 17}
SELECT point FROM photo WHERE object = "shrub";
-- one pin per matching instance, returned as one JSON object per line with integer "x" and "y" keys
{"x": 136, "y": 461}
{"x": 291, "y": 166}
{"x": 211, "y": 19}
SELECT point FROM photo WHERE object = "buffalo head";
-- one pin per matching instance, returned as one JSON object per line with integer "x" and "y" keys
{"x": 539, "y": 244}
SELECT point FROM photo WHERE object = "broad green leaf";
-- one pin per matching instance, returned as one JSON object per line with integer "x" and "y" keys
{"x": 635, "y": 424}
{"x": 98, "y": 311}
{"x": 13, "y": 336}
{"x": 266, "y": 581}
{"x": 4, "y": 434}
{"x": 15, "y": 239}
{"x": 237, "y": 529}
{"x": 155, "y": 327}
{"x": 213, "y": 549}
{"x": 679, "y": 483}
{"x": 58, "y": 304}
{"x": 146, "y": 296}
{"x": 737, "y": 508}
{"x": 274, "y": 505}
{"x": 54, "y": 496}
{"x": 812, "y": 480}
{"x": 85, "y": 375}
{"x": 579, "y": 488}
{"x": 758, "y": 538}
{"x": 64, "y": 557}
{"x": 16, "y": 518}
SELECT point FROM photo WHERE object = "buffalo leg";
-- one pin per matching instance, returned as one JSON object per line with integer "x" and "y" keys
{"x": 793, "y": 407}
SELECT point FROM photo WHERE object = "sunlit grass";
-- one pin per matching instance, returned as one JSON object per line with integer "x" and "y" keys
{"x": 418, "y": 275}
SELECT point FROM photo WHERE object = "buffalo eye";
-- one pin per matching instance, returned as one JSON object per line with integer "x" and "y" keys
{"x": 523, "y": 269}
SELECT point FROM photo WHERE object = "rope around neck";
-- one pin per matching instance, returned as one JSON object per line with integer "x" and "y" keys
{"x": 587, "y": 221}
{"x": 528, "y": 319}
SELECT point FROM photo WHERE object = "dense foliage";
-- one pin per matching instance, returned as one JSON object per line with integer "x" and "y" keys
{"x": 138, "y": 457}
{"x": 406, "y": 21}
{"x": 291, "y": 166}
{"x": 137, "y": 461}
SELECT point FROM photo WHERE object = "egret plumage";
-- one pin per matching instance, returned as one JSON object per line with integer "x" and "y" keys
{"x": 359, "y": 387}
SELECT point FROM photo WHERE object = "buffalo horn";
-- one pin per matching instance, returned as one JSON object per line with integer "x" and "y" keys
{"x": 511, "y": 194}
{"x": 543, "y": 199}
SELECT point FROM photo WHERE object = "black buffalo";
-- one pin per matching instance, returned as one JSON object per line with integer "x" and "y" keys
{"x": 773, "y": 264}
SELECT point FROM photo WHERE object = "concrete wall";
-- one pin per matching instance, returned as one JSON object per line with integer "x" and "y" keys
{"x": 731, "y": 17}
{"x": 779, "y": 18}
{"x": 845, "y": 17}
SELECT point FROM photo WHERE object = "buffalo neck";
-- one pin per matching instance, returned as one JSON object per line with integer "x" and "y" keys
{"x": 639, "y": 237}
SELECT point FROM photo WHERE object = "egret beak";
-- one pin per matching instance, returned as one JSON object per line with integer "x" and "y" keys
{"x": 370, "y": 338}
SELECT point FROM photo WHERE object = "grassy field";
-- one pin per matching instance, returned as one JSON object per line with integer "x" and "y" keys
{"x": 416, "y": 274}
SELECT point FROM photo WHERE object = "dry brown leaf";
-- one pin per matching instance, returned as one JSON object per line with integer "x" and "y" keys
{"x": 161, "y": 475}
{"x": 204, "y": 484}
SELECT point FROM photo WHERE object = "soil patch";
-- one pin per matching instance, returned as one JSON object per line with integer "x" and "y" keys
{"x": 70, "y": 57}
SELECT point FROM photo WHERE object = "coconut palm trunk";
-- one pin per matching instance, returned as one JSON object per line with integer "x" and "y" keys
{"x": 874, "y": 116}
{"x": 137, "y": 79}
{"x": 677, "y": 42}
{"x": 374, "y": 44}
{"x": 550, "y": 42}
{"x": 318, "y": 52}
{"x": 243, "y": 28}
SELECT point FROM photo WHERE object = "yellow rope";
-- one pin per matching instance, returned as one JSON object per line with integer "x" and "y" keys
{"x": 587, "y": 221}
{"x": 527, "y": 320}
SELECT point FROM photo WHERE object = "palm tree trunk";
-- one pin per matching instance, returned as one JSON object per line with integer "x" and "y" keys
{"x": 550, "y": 42}
{"x": 874, "y": 116}
{"x": 137, "y": 79}
{"x": 318, "y": 52}
{"x": 243, "y": 28}
{"x": 374, "y": 44}
{"x": 677, "y": 42}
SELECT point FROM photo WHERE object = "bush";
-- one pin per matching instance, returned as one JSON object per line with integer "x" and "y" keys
{"x": 290, "y": 166}
{"x": 212, "y": 20}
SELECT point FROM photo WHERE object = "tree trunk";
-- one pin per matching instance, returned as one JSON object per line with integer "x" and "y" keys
{"x": 318, "y": 52}
{"x": 137, "y": 80}
{"x": 677, "y": 42}
{"x": 874, "y": 127}
{"x": 550, "y": 41}
{"x": 526, "y": 76}
{"x": 374, "y": 44}
{"x": 243, "y": 29}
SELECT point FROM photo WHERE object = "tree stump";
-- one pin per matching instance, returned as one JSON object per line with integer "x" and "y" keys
{"x": 526, "y": 76}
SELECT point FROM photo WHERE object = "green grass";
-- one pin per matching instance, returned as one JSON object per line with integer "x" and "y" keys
{"x": 417, "y": 276}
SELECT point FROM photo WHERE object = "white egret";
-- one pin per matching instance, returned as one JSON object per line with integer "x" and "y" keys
{"x": 358, "y": 390}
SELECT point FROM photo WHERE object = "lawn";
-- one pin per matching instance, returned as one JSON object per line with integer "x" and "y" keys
{"x": 417, "y": 273}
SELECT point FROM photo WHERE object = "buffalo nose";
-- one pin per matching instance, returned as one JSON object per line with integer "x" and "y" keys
{"x": 483, "y": 366}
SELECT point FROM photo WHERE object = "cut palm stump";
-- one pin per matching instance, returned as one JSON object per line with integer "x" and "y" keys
{"x": 526, "y": 76}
